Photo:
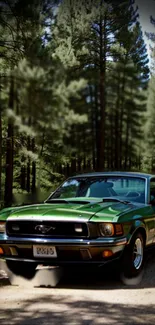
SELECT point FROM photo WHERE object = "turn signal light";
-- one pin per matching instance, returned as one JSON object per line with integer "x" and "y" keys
{"x": 107, "y": 253}
{"x": 1, "y": 251}
{"x": 2, "y": 226}
{"x": 118, "y": 229}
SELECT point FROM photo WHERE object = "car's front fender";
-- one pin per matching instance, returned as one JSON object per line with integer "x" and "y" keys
{"x": 137, "y": 225}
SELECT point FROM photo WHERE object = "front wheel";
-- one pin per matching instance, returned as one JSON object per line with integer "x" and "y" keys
{"x": 133, "y": 257}
{"x": 25, "y": 269}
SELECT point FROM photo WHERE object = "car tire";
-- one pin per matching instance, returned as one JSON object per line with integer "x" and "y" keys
{"x": 25, "y": 269}
{"x": 133, "y": 258}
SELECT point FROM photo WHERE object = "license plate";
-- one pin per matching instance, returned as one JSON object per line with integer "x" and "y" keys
{"x": 44, "y": 251}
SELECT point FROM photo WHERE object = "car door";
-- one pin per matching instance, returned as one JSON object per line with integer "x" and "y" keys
{"x": 152, "y": 215}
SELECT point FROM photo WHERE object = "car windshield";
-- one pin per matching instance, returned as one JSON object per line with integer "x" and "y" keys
{"x": 124, "y": 188}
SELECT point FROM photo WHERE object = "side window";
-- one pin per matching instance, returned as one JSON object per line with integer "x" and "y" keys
{"x": 152, "y": 189}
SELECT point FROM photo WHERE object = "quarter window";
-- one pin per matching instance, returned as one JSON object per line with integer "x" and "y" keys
{"x": 152, "y": 189}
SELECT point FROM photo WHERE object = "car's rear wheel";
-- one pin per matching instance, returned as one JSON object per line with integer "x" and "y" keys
{"x": 133, "y": 257}
{"x": 25, "y": 269}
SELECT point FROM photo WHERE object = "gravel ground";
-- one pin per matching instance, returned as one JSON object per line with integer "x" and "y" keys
{"x": 96, "y": 298}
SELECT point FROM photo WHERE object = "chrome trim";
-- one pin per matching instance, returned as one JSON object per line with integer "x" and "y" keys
{"x": 88, "y": 242}
{"x": 49, "y": 218}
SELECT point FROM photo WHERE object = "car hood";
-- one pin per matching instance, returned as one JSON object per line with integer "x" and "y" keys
{"x": 72, "y": 210}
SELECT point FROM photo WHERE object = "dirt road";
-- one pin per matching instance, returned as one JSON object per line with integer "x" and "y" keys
{"x": 77, "y": 300}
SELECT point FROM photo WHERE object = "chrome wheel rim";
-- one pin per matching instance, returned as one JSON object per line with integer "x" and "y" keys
{"x": 138, "y": 254}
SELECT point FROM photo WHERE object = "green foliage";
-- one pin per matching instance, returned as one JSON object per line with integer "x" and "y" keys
{"x": 73, "y": 83}
{"x": 150, "y": 115}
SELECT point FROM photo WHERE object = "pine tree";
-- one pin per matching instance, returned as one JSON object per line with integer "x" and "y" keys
{"x": 129, "y": 79}
{"x": 149, "y": 149}
{"x": 38, "y": 100}
{"x": 115, "y": 60}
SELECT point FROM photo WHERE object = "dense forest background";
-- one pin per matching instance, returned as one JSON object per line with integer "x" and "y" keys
{"x": 76, "y": 92}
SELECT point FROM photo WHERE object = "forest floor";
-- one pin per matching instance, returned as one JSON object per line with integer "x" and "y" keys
{"x": 80, "y": 299}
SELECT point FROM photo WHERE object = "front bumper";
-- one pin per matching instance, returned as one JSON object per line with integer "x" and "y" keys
{"x": 69, "y": 251}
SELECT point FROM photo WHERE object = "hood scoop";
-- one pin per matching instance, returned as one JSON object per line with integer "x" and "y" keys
{"x": 57, "y": 201}
{"x": 117, "y": 201}
{"x": 63, "y": 201}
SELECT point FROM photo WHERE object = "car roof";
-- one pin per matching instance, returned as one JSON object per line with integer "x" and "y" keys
{"x": 129, "y": 174}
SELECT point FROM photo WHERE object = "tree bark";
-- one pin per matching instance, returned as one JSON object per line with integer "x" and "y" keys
{"x": 103, "y": 45}
{"x": 33, "y": 187}
{"x": 23, "y": 177}
{"x": 117, "y": 129}
{"x": 9, "y": 152}
{"x": 28, "y": 187}
{"x": 33, "y": 177}
{"x": 0, "y": 148}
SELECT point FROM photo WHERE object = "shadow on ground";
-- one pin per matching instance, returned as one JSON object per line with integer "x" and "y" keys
{"x": 108, "y": 277}
{"x": 90, "y": 306}
{"x": 49, "y": 309}
{"x": 99, "y": 278}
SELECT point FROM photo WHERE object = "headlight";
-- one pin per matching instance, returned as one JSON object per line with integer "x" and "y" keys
{"x": 107, "y": 229}
{"x": 110, "y": 229}
{"x": 2, "y": 226}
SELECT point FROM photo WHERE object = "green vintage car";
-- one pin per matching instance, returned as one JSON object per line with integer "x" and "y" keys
{"x": 90, "y": 219}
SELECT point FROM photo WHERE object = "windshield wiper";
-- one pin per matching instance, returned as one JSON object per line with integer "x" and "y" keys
{"x": 63, "y": 201}
{"x": 117, "y": 200}
{"x": 67, "y": 201}
{"x": 79, "y": 202}
{"x": 57, "y": 201}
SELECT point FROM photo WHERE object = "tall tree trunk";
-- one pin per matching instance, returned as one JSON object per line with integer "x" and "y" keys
{"x": 28, "y": 173}
{"x": 93, "y": 115}
{"x": 33, "y": 169}
{"x": 112, "y": 141}
{"x": 28, "y": 176}
{"x": 79, "y": 162}
{"x": 39, "y": 163}
{"x": 103, "y": 45}
{"x": 23, "y": 177}
{"x": 33, "y": 177}
{"x": 122, "y": 115}
{"x": 116, "y": 162}
{"x": 9, "y": 152}
{"x": 28, "y": 180}
{"x": 126, "y": 145}
{"x": 0, "y": 147}
{"x": 117, "y": 129}
{"x": 73, "y": 164}
{"x": 97, "y": 136}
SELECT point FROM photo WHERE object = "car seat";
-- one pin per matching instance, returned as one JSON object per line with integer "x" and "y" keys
{"x": 101, "y": 189}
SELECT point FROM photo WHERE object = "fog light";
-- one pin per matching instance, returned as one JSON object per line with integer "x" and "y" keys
{"x": 1, "y": 251}
{"x": 107, "y": 253}
{"x": 78, "y": 227}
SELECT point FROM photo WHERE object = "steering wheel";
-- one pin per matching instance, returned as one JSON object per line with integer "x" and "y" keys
{"x": 132, "y": 194}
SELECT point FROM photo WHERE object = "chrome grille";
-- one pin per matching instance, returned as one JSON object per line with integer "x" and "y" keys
{"x": 45, "y": 228}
